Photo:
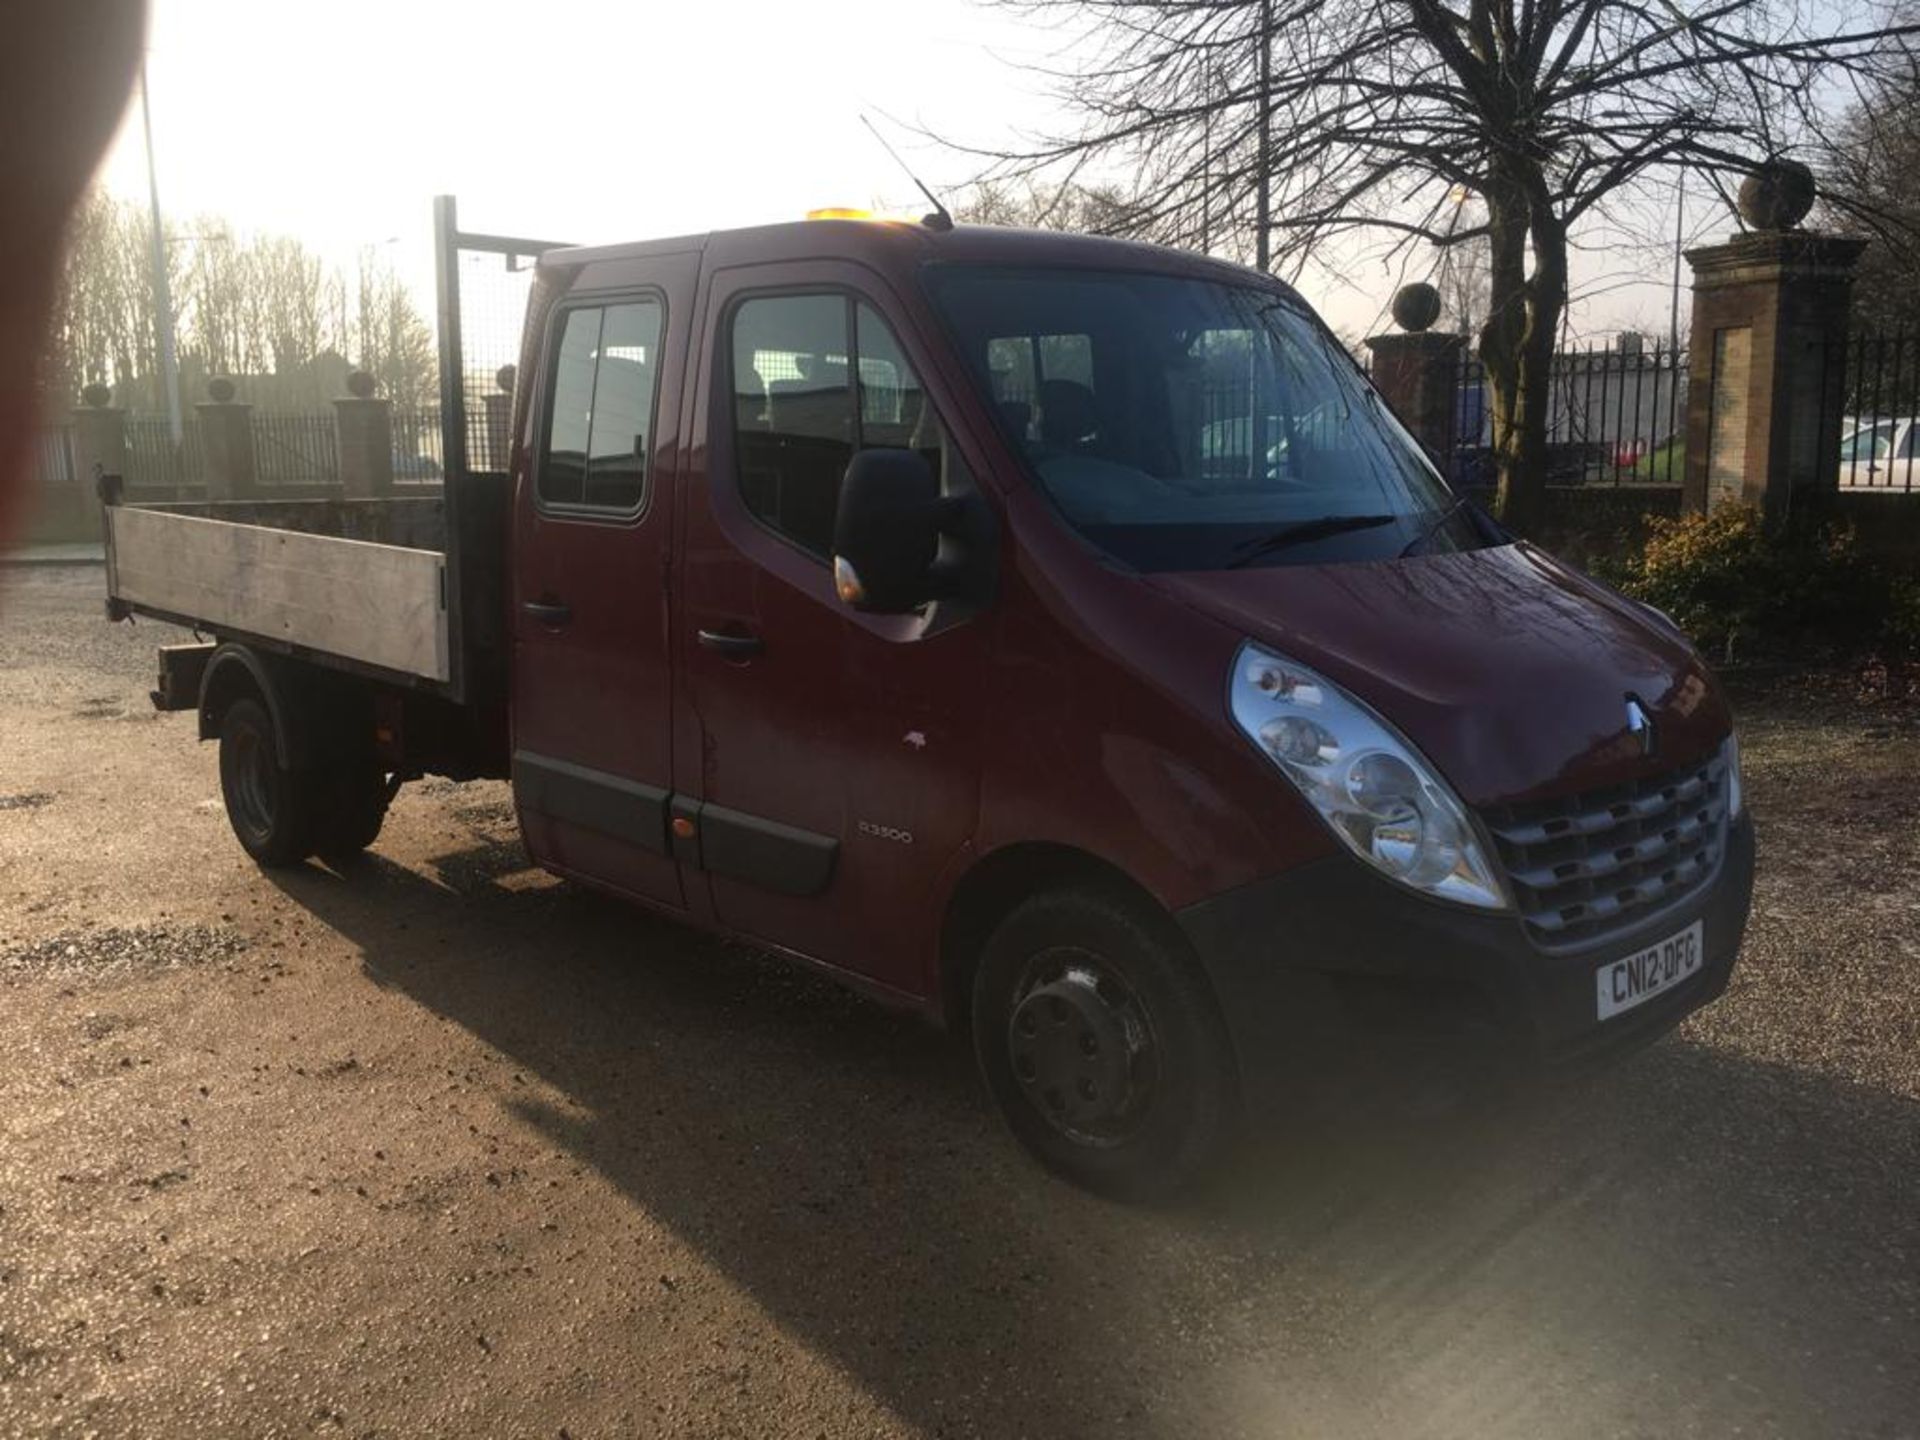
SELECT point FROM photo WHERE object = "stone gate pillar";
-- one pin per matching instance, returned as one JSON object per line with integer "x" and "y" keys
{"x": 99, "y": 437}
{"x": 363, "y": 428}
{"x": 1765, "y": 372}
{"x": 226, "y": 443}
{"x": 1417, "y": 371}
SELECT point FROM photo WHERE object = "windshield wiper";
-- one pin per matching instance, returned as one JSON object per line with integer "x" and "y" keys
{"x": 1300, "y": 532}
{"x": 1434, "y": 526}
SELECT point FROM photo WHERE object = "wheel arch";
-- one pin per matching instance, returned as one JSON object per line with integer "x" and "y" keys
{"x": 236, "y": 672}
{"x": 998, "y": 883}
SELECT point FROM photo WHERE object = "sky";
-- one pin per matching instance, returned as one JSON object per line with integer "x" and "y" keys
{"x": 602, "y": 120}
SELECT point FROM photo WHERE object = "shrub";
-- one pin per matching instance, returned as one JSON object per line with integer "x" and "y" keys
{"x": 1727, "y": 578}
{"x": 1903, "y": 611}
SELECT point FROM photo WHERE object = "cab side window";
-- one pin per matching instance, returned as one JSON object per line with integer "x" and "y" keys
{"x": 600, "y": 415}
{"x": 793, "y": 412}
{"x": 815, "y": 378}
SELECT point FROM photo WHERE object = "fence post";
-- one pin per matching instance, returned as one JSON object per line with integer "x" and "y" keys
{"x": 499, "y": 407}
{"x": 363, "y": 425}
{"x": 1418, "y": 371}
{"x": 226, "y": 443}
{"x": 1767, "y": 374}
{"x": 99, "y": 436}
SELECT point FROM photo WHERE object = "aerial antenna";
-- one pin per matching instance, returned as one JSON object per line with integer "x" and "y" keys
{"x": 939, "y": 219}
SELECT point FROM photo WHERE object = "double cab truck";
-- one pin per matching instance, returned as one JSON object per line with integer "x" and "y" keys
{"x": 1054, "y": 636}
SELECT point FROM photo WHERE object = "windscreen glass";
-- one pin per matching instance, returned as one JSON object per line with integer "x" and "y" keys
{"x": 1183, "y": 424}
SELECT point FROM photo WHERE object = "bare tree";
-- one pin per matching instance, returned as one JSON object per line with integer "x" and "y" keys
{"x": 103, "y": 328}
{"x": 1464, "y": 275}
{"x": 389, "y": 338}
{"x": 1292, "y": 126}
{"x": 1028, "y": 204}
{"x": 1870, "y": 173}
{"x": 260, "y": 308}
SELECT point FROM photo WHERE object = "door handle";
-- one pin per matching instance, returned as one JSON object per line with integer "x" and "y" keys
{"x": 548, "y": 612}
{"x": 732, "y": 647}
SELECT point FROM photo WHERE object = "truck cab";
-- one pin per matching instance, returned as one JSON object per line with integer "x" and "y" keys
{"x": 1058, "y": 637}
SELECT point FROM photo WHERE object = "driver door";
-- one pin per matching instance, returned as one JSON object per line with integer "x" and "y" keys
{"x": 837, "y": 765}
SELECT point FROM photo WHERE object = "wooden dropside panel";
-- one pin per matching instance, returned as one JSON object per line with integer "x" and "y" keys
{"x": 378, "y": 604}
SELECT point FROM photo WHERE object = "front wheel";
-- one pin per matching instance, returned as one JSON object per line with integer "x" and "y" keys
{"x": 1103, "y": 1046}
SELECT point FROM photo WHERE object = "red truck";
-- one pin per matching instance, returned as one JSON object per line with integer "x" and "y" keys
{"x": 1054, "y": 636}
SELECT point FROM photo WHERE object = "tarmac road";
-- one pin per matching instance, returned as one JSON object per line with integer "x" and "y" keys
{"x": 441, "y": 1146}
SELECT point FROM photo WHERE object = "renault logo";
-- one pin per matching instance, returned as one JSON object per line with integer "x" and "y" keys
{"x": 1640, "y": 725}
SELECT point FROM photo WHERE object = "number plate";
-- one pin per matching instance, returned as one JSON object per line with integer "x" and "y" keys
{"x": 1625, "y": 983}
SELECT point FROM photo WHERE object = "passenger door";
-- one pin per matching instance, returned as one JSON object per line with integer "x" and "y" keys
{"x": 837, "y": 769}
{"x": 592, "y": 681}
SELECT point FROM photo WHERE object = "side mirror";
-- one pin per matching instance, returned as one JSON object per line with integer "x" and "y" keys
{"x": 886, "y": 533}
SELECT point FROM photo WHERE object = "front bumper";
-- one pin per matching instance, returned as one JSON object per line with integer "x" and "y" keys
{"x": 1331, "y": 958}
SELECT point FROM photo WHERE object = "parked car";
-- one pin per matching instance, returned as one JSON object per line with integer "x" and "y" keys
{"x": 1880, "y": 454}
{"x": 880, "y": 593}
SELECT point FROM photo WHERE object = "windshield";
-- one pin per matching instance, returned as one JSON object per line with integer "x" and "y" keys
{"x": 1181, "y": 424}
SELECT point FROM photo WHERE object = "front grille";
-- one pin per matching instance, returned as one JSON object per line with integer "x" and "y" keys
{"x": 1584, "y": 866}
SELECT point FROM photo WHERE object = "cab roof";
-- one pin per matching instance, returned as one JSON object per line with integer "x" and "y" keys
{"x": 896, "y": 245}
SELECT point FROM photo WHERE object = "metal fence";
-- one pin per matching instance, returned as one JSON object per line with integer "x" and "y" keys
{"x": 154, "y": 459}
{"x": 1616, "y": 415}
{"x": 1876, "y": 433}
{"x": 416, "y": 447}
{"x": 294, "y": 449}
{"x": 289, "y": 449}
{"x": 52, "y": 462}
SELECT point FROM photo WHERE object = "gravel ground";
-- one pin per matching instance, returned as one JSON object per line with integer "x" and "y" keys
{"x": 441, "y": 1147}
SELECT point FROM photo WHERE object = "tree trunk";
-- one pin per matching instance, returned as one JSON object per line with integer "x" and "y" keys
{"x": 1516, "y": 343}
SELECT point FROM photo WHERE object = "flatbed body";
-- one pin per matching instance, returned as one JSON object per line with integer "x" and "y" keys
{"x": 403, "y": 589}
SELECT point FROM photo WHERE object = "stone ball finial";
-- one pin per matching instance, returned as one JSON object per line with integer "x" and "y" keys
{"x": 504, "y": 378}
{"x": 1416, "y": 306}
{"x": 360, "y": 384}
{"x": 1777, "y": 195}
{"x": 220, "y": 390}
{"x": 96, "y": 395}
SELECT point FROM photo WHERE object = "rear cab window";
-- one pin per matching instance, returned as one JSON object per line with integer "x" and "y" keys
{"x": 600, "y": 413}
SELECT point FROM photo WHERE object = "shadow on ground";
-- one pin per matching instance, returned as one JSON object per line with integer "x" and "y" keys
{"x": 1693, "y": 1243}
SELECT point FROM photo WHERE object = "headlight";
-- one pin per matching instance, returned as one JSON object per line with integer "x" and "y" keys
{"x": 1376, "y": 791}
{"x": 1730, "y": 751}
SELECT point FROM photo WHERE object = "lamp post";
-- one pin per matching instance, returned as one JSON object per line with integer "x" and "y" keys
{"x": 162, "y": 292}
{"x": 1262, "y": 241}
{"x": 1679, "y": 232}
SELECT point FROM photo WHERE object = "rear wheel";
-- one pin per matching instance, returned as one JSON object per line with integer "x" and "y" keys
{"x": 1103, "y": 1046}
{"x": 269, "y": 806}
{"x": 352, "y": 808}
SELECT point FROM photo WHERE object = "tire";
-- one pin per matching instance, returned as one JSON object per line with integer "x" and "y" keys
{"x": 1103, "y": 1046}
{"x": 352, "y": 806}
{"x": 269, "y": 806}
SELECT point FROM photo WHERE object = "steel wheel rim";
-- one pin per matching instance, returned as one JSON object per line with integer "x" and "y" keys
{"x": 1082, "y": 1048}
{"x": 252, "y": 785}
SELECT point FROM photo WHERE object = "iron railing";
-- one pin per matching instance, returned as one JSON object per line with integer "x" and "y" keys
{"x": 155, "y": 459}
{"x": 416, "y": 447}
{"x": 1872, "y": 428}
{"x": 294, "y": 449}
{"x": 1616, "y": 415}
{"x": 52, "y": 462}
